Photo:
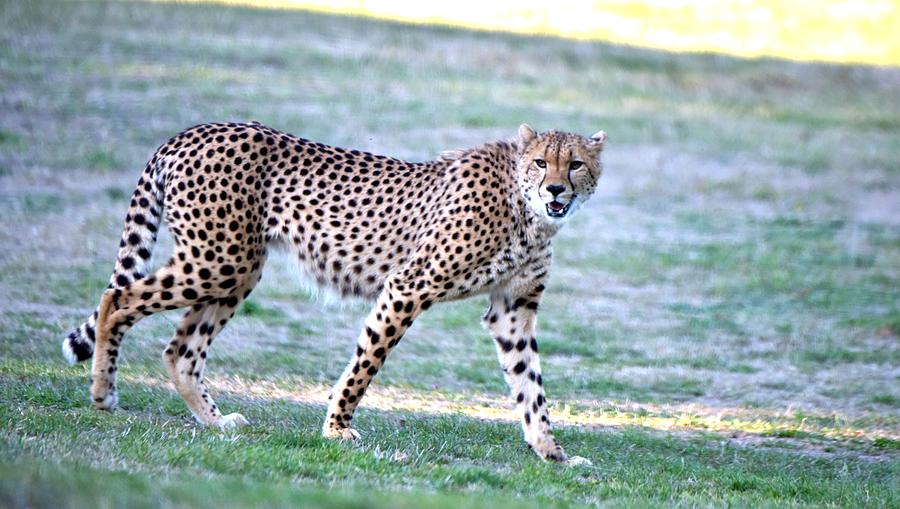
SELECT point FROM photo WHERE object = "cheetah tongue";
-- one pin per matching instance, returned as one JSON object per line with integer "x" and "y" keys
{"x": 556, "y": 206}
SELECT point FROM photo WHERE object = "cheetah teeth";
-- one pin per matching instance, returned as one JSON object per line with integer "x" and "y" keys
{"x": 557, "y": 209}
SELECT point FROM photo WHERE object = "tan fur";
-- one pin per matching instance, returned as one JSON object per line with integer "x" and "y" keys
{"x": 406, "y": 235}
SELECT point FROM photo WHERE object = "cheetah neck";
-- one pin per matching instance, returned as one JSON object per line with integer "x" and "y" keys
{"x": 537, "y": 229}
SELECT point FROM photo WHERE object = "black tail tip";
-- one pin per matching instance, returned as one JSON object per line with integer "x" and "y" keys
{"x": 76, "y": 349}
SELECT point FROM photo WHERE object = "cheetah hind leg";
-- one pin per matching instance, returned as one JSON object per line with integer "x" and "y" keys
{"x": 185, "y": 357}
{"x": 119, "y": 310}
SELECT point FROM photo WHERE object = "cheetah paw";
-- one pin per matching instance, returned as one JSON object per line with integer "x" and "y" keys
{"x": 348, "y": 434}
{"x": 107, "y": 402}
{"x": 578, "y": 461}
{"x": 231, "y": 421}
{"x": 548, "y": 450}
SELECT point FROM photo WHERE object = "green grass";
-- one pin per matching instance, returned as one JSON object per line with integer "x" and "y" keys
{"x": 72, "y": 485}
{"x": 721, "y": 327}
{"x": 145, "y": 440}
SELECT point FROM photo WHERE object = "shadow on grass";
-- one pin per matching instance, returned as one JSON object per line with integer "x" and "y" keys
{"x": 145, "y": 395}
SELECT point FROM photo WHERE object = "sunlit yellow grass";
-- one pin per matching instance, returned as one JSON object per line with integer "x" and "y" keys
{"x": 850, "y": 31}
{"x": 687, "y": 417}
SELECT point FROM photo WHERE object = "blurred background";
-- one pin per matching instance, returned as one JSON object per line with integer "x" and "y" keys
{"x": 843, "y": 31}
{"x": 730, "y": 292}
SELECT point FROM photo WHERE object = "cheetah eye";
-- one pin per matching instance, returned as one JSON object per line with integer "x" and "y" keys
{"x": 574, "y": 165}
{"x": 540, "y": 163}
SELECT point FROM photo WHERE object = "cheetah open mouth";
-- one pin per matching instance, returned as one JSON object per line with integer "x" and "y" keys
{"x": 557, "y": 209}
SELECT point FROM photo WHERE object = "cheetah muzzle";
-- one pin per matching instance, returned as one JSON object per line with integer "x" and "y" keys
{"x": 557, "y": 209}
{"x": 404, "y": 235}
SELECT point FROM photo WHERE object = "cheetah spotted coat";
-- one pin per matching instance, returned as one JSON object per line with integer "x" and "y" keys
{"x": 405, "y": 235}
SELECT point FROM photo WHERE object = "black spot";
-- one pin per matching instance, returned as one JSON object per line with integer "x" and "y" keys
{"x": 519, "y": 368}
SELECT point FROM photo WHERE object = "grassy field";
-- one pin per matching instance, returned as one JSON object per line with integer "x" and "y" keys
{"x": 721, "y": 327}
{"x": 838, "y": 31}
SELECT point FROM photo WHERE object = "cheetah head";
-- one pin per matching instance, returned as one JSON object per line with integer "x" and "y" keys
{"x": 558, "y": 171}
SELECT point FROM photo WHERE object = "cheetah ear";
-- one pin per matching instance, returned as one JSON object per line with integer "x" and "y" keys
{"x": 597, "y": 140}
{"x": 526, "y": 135}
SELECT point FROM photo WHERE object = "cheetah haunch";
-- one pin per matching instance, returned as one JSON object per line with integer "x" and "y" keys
{"x": 406, "y": 235}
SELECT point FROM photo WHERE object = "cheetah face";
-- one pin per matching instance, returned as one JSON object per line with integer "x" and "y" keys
{"x": 558, "y": 171}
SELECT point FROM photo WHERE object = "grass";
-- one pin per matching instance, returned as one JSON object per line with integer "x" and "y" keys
{"x": 403, "y": 450}
{"x": 858, "y": 32}
{"x": 721, "y": 327}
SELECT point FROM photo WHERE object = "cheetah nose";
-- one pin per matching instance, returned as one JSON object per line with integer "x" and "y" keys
{"x": 555, "y": 189}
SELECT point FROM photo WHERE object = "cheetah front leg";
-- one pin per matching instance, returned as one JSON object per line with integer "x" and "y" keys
{"x": 393, "y": 313}
{"x": 511, "y": 320}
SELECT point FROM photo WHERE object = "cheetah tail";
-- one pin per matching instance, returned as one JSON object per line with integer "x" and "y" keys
{"x": 135, "y": 250}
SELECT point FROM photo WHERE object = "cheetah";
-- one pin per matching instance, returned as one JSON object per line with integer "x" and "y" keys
{"x": 404, "y": 235}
